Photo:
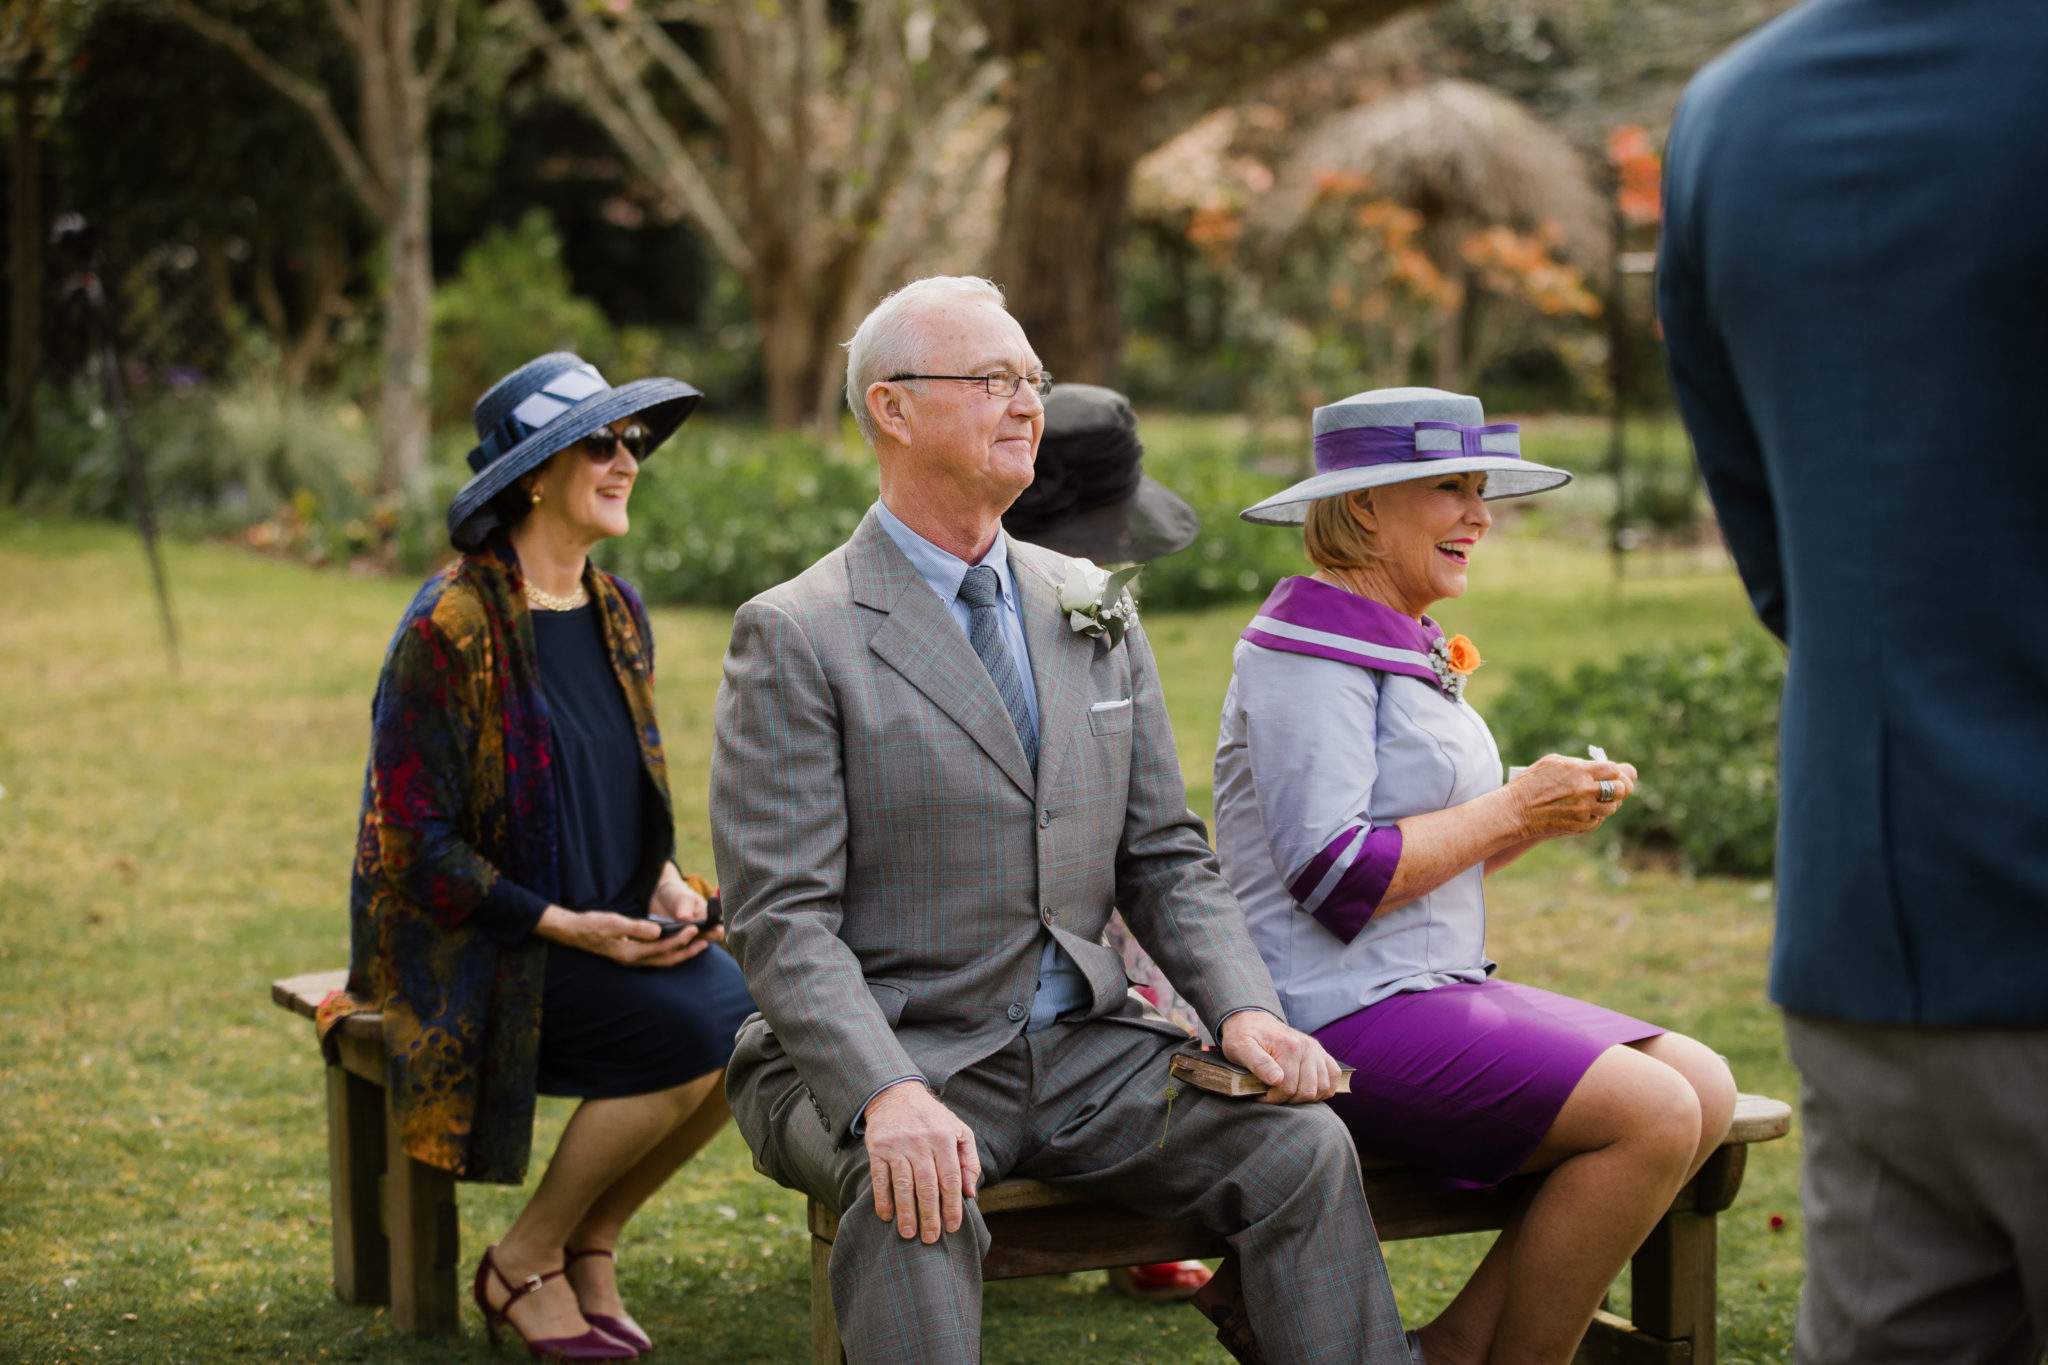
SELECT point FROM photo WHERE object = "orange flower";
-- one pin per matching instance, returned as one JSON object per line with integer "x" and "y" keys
{"x": 1462, "y": 654}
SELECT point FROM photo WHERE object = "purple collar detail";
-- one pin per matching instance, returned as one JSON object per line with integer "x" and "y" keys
{"x": 1304, "y": 616}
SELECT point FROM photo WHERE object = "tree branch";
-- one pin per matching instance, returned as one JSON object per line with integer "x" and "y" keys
{"x": 681, "y": 12}
{"x": 443, "y": 50}
{"x": 596, "y": 74}
{"x": 375, "y": 196}
{"x": 348, "y": 19}
{"x": 1219, "y": 50}
{"x": 683, "y": 68}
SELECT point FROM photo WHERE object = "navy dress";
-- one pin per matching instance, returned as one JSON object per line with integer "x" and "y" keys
{"x": 607, "y": 1029}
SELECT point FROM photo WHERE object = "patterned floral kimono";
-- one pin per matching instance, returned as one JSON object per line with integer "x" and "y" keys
{"x": 459, "y": 792}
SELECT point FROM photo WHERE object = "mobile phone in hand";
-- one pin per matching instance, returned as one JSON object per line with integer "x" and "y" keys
{"x": 671, "y": 927}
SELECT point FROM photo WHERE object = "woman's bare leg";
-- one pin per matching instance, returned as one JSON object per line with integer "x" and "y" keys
{"x": 604, "y": 1141}
{"x": 1711, "y": 1081}
{"x": 1619, "y": 1150}
{"x": 596, "y": 1286}
{"x": 1463, "y": 1333}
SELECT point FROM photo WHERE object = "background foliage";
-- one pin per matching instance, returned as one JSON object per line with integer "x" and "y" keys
{"x": 1700, "y": 722}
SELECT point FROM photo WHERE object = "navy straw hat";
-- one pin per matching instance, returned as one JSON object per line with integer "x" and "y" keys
{"x": 544, "y": 406}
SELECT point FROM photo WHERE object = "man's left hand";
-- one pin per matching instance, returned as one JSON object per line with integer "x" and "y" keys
{"x": 1293, "y": 1065}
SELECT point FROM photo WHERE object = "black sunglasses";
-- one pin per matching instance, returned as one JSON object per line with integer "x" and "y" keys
{"x": 598, "y": 445}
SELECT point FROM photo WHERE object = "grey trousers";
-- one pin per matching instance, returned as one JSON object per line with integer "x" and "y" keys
{"x": 1084, "y": 1104}
{"x": 1925, "y": 1189}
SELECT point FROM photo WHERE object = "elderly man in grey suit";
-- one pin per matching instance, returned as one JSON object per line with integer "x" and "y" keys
{"x": 929, "y": 790}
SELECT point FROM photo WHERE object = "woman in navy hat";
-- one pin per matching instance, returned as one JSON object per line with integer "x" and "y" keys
{"x": 1359, "y": 805}
{"x": 516, "y": 914}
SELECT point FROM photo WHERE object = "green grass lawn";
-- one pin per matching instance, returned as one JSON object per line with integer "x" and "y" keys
{"x": 170, "y": 845}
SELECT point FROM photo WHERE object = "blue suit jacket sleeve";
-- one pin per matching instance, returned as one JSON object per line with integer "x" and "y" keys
{"x": 1725, "y": 444}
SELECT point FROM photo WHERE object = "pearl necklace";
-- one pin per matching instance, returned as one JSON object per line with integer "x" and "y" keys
{"x": 547, "y": 601}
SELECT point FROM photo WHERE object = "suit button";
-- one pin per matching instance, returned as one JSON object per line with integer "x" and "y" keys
{"x": 1017, "y": 1012}
{"x": 1044, "y": 818}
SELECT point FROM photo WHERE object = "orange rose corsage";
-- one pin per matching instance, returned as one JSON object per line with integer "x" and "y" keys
{"x": 1453, "y": 660}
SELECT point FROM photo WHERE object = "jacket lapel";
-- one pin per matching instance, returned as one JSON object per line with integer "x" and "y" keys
{"x": 921, "y": 641}
{"x": 1060, "y": 661}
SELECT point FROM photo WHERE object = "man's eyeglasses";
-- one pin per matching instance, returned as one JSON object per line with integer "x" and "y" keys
{"x": 999, "y": 383}
{"x": 598, "y": 446}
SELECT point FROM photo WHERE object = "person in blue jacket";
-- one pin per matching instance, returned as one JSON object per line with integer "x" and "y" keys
{"x": 1854, "y": 290}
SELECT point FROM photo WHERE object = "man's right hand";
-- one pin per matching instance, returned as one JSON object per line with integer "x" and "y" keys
{"x": 922, "y": 1159}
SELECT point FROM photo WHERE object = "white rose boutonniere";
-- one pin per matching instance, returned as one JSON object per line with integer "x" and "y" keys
{"x": 1095, "y": 602}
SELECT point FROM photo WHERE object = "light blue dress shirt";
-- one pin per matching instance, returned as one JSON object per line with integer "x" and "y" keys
{"x": 1062, "y": 988}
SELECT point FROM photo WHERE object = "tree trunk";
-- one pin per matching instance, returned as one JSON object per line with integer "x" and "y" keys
{"x": 1099, "y": 84}
{"x": 1075, "y": 138}
{"x": 789, "y": 353}
{"x": 394, "y": 114}
{"x": 407, "y": 343}
{"x": 25, "y": 316}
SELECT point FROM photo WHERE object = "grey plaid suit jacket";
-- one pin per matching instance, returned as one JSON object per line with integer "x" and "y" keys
{"x": 888, "y": 862}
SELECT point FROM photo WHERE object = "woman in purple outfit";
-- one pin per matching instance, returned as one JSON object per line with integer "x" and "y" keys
{"x": 1359, "y": 805}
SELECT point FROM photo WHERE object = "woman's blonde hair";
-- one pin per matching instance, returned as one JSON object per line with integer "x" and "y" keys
{"x": 1333, "y": 537}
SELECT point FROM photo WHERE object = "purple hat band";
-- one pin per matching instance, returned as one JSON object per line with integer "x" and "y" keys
{"x": 1359, "y": 447}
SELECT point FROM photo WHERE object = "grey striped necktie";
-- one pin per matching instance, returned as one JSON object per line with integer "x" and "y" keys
{"x": 979, "y": 590}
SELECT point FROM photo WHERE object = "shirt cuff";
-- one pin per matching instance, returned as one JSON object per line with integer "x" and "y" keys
{"x": 1239, "y": 1010}
{"x": 508, "y": 912}
{"x": 859, "y": 1126}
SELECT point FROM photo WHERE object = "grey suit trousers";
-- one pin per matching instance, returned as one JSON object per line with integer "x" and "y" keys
{"x": 1925, "y": 1189}
{"x": 1084, "y": 1104}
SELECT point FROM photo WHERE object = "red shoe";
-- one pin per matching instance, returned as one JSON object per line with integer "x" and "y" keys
{"x": 591, "y": 1345}
{"x": 1166, "y": 1282}
{"x": 625, "y": 1329}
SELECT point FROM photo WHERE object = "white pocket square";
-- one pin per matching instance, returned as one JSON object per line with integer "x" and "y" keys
{"x": 1119, "y": 704}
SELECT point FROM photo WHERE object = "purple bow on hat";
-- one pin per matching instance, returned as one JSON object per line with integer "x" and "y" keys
{"x": 1357, "y": 447}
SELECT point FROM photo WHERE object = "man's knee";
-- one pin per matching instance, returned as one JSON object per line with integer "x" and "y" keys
{"x": 1302, "y": 1146}
{"x": 1332, "y": 1153}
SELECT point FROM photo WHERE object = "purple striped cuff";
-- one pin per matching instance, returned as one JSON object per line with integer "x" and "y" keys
{"x": 1344, "y": 884}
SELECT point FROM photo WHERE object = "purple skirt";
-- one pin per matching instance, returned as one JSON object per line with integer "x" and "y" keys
{"x": 1465, "y": 1080}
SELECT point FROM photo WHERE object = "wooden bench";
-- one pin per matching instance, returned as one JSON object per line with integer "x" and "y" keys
{"x": 1040, "y": 1229}
{"x": 396, "y": 1240}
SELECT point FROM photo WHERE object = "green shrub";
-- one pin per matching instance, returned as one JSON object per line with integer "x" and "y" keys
{"x": 509, "y": 302}
{"x": 217, "y": 460}
{"x": 1230, "y": 560}
{"x": 721, "y": 513}
{"x": 1701, "y": 725}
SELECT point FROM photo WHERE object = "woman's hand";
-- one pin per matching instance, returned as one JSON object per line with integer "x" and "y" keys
{"x": 1558, "y": 795}
{"x": 622, "y": 938}
{"x": 674, "y": 898}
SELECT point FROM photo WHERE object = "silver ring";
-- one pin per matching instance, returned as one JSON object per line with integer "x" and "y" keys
{"x": 1607, "y": 791}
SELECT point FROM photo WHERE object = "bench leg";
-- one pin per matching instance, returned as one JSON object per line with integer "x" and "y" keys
{"x": 826, "y": 1348}
{"x": 1674, "y": 1283}
{"x": 419, "y": 1220}
{"x": 355, "y": 1165}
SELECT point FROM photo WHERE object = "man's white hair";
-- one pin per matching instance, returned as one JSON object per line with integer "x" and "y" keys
{"x": 887, "y": 341}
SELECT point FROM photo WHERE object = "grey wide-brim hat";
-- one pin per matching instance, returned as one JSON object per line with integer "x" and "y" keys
{"x": 546, "y": 405}
{"x": 1090, "y": 496}
{"x": 1394, "y": 435}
